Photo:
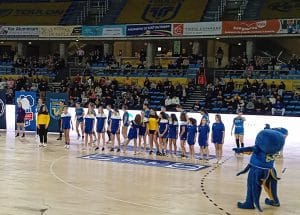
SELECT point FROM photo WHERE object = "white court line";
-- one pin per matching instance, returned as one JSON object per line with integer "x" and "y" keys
{"x": 87, "y": 191}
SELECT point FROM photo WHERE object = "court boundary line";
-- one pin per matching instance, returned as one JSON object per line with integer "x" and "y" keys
{"x": 87, "y": 191}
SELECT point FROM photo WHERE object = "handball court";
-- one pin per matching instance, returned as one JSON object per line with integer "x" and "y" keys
{"x": 56, "y": 181}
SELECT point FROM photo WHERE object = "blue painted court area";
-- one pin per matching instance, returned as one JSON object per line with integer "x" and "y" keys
{"x": 146, "y": 162}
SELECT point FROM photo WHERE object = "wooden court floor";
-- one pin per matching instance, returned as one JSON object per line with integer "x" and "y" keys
{"x": 55, "y": 181}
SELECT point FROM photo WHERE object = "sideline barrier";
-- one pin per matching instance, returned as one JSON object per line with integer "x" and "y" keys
{"x": 253, "y": 124}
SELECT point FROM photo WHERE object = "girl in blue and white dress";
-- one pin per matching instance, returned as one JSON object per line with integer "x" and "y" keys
{"x": 133, "y": 133}
{"x": 100, "y": 127}
{"x": 191, "y": 136}
{"x": 115, "y": 125}
{"x": 173, "y": 134}
{"x": 89, "y": 123}
{"x": 183, "y": 133}
{"x": 66, "y": 126}
{"x": 203, "y": 135}
{"x": 163, "y": 123}
{"x": 79, "y": 114}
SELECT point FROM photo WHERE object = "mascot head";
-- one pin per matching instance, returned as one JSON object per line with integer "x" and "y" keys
{"x": 269, "y": 141}
{"x": 283, "y": 131}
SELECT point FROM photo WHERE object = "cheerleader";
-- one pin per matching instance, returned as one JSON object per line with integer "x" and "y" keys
{"x": 108, "y": 107}
{"x": 100, "y": 127}
{"x": 183, "y": 133}
{"x": 43, "y": 120}
{"x": 115, "y": 129}
{"x": 173, "y": 133}
{"x": 163, "y": 133}
{"x": 238, "y": 125}
{"x": 152, "y": 130}
{"x": 133, "y": 133}
{"x": 191, "y": 135}
{"x": 89, "y": 123}
{"x": 79, "y": 114}
{"x": 125, "y": 120}
{"x": 205, "y": 115}
{"x": 143, "y": 127}
{"x": 66, "y": 125}
{"x": 20, "y": 120}
{"x": 217, "y": 137}
{"x": 92, "y": 105}
{"x": 203, "y": 134}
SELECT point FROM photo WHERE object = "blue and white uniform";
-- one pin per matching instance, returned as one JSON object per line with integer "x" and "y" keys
{"x": 101, "y": 118}
{"x": 126, "y": 119}
{"x": 89, "y": 122}
{"x": 133, "y": 131}
{"x": 163, "y": 126}
{"x": 191, "y": 134}
{"x": 238, "y": 125}
{"x": 173, "y": 130}
{"x": 203, "y": 133}
{"x": 217, "y": 132}
{"x": 142, "y": 127}
{"x": 66, "y": 121}
{"x": 184, "y": 125}
{"x": 115, "y": 124}
{"x": 79, "y": 112}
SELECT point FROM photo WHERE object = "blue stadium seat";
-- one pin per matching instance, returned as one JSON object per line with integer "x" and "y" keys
{"x": 290, "y": 107}
{"x": 215, "y": 110}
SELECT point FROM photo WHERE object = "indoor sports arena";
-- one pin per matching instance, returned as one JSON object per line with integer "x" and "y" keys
{"x": 153, "y": 107}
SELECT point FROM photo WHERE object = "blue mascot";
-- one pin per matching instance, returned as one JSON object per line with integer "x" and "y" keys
{"x": 261, "y": 167}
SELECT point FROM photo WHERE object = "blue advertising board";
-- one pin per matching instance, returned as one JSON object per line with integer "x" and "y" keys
{"x": 104, "y": 31}
{"x": 149, "y": 30}
{"x": 53, "y": 100}
{"x": 2, "y": 109}
{"x": 28, "y": 100}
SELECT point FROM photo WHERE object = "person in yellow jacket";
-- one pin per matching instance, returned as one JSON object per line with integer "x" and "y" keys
{"x": 43, "y": 120}
{"x": 152, "y": 130}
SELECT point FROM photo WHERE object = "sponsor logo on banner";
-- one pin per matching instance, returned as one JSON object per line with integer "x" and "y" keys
{"x": 177, "y": 29}
{"x": 145, "y": 162}
{"x": 251, "y": 27}
{"x": 59, "y": 31}
{"x": 19, "y": 31}
{"x": 157, "y": 11}
{"x": 202, "y": 28}
{"x": 149, "y": 30}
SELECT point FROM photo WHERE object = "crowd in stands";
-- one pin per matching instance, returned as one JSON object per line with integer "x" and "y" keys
{"x": 253, "y": 98}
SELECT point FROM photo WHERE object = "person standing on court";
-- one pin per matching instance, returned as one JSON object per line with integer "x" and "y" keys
{"x": 66, "y": 124}
{"x": 43, "y": 120}
{"x": 125, "y": 120}
{"x": 238, "y": 125}
{"x": 58, "y": 112}
{"x": 20, "y": 120}
{"x": 40, "y": 103}
{"x": 191, "y": 136}
{"x": 217, "y": 137}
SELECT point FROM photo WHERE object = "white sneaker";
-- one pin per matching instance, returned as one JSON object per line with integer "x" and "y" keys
{"x": 44, "y": 144}
{"x": 40, "y": 145}
{"x": 68, "y": 146}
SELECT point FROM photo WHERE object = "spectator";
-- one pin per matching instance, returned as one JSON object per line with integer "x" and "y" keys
{"x": 219, "y": 56}
{"x": 278, "y": 107}
{"x": 196, "y": 106}
{"x": 281, "y": 88}
{"x": 250, "y": 107}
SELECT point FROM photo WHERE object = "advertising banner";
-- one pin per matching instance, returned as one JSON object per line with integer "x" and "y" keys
{"x": 19, "y": 31}
{"x": 59, "y": 31}
{"x": 290, "y": 26}
{"x": 197, "y": 28}
{"x": 104, "y": 31}
{"x": 28, "y": 100}
{"x": 2, "y": 109}
{"x": 53, "y": 100}
{"x": 149, "y": 30}
{"x": 251, "y": 27}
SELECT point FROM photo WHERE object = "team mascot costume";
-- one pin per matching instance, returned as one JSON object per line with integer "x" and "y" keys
{"x": 261, "y": 169}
